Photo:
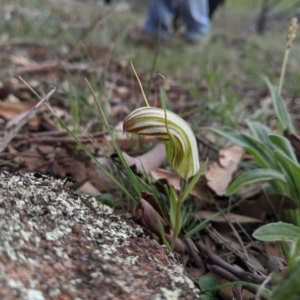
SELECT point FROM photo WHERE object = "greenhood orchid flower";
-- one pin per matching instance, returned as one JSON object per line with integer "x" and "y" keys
{"x": 180, "y": 141}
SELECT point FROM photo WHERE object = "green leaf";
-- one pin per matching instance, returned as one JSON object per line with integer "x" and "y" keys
{"x": 226, "y": 285}
{"x": 193, "y": 182}
{"x": 207, "y": 283}
{"x": 106, "y": 198}
{"x": 253, "y": 176}
{"x": 207, "y": 297}
{"x": 282, "y": 114}
{"x": 288, "y": 287}
{"x": 173, "y": 205}
{"x": 284, "y": 146}
{"x": 277, "y": 232}
{"x": 235, "y": 138}
{"x": 291, "y": 170}
{"x": 262, "y": 153}
{"x": 249, "y": 143}
{"x": 162, "y": 235}
{"x": 261, "y": 132}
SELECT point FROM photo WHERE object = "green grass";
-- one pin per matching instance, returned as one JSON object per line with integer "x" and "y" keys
{"x": 229, "y": 65}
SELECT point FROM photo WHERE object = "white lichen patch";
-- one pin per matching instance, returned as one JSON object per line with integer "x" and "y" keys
{"x": 60, "y": 252}
{"x": 55, "y": 234}
{"x": 54, "y": 293}
{"x": 34, "y": 295}
{"x": 170, "y": 295}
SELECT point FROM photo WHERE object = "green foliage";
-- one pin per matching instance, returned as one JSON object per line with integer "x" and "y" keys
{"x": 288, "y": 287}
{"x": 279, "y": 231}
{"x": 272, "y": 153}
{"x": 163, "y": 237}
{"x": 209, "y": 287}
{"x": 285, "y": 286}
{"x": 208, "y": 284}
{"x": 282, "y": 114}
{"x": 254, "y": 176}
{"x": 106, "y": 199}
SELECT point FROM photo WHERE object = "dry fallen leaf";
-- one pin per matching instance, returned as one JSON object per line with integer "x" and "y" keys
{"x": 88, "y": 189}
{"x": 260, "y": 207}
{"x": 273, "y": 249}
{"x": 200, "y": 190}
{"x": 20, "y": 60}
{"x": 219, "y": 174}
{"x": 147, "y": 214}
{"x": 148, "y": 161}
{"x": 16, "y": 111}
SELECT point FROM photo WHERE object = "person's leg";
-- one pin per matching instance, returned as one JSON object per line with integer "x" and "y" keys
{"x": 195, "y": 15}
{"x": 158, "y": 19}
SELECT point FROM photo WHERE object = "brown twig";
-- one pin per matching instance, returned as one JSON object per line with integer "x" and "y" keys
{"x": 22, "y": 122}
{"x": 214, "y": 234}
{"x": 243, "y": 275}
{"x": 228, "y": 276}
{"x": 55, "y": 66}
{"x": 234, "y": 231}
{"x": 237, "y": 292}
{"x": 38, "y": 139}
{"x": 20, "y": 42}
{"x": 194, "y": 254}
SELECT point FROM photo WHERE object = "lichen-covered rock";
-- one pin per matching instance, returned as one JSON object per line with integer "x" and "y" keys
{"x": 55, "y": 244}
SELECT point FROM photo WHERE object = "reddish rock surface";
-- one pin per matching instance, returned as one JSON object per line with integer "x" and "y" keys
{"x": 55, "y": 244}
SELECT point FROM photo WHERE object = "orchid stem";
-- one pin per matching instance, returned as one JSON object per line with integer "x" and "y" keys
{"x": 181, "y": 198}
{"x": 283, "y": 69}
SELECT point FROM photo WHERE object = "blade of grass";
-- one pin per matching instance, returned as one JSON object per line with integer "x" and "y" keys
{"x": 282, "y": 114}
{"x": 88, "y": 152}
{"x": 129, "y": 172}
{"x": 253, "y": 176}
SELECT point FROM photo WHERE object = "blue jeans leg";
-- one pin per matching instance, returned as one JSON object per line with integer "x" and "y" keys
{"x": 195, "y": 16}
{"x": 159, "y": 18}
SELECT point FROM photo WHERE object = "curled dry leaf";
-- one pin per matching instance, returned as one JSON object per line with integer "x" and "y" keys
{"x": 148, "y": 161}
{"x": 219, "y": 174}
{"x": 146, "y": 214}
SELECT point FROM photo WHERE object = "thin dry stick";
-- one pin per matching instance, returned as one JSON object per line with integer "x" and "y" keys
{"x": 30, "y": 114}
{"x": 55, "y": 65}
{"x": 235, "y": 232}
{"x": 290, "y": 37}
{"x": 229, "y": 276}
{"x": 32, "y": 138}
{"x": 195, "y": 254}
{"x": 262, "y": 286}
{"x": 215, "y": 259}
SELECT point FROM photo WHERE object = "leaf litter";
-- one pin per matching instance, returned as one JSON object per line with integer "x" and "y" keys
{"x": 38, "y": 144}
